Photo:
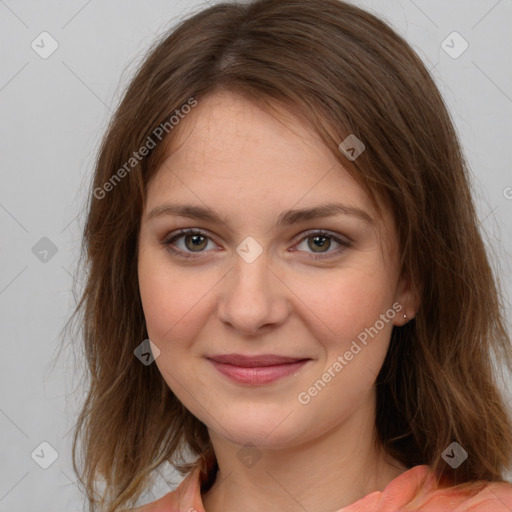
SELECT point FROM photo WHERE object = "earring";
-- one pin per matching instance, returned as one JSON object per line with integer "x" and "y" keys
{"x": 405, "y": 316}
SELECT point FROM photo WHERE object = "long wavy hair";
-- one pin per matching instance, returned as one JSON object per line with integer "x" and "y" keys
{"x": 343, "y": 71}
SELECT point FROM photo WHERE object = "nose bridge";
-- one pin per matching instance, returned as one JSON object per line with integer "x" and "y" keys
{"x": 252, "y": 296}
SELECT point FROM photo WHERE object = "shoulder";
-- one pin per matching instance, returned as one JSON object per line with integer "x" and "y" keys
{"x": 415, "y": 491}
{"x": 481, "y": 496}
{"x": 476, "y": 496}
{"x": 186, "y": 497}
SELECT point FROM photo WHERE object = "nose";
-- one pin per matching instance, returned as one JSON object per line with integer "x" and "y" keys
{"x": 253, "y": 297}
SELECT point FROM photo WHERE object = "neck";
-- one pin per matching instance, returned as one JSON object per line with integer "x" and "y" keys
{"x": 325, "y": 474}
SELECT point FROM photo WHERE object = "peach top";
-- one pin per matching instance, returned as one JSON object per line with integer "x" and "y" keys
{"x": 412, "y": 491}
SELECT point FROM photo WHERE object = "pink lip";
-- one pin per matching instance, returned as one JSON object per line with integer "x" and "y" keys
{"x": 256, "y": 369}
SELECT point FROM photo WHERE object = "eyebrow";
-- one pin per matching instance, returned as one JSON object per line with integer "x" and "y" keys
{"x": 286, "y": 218}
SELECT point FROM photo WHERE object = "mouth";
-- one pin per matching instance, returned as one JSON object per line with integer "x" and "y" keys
{"x": 260, "y": 369}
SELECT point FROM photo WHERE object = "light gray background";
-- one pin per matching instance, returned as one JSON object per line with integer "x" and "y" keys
{"x": 53, "y": 113}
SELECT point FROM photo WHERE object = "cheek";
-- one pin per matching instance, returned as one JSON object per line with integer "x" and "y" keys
{"x": 175, "y": 309}
{"x": 342, "y": 304}
{"x": 173, "y": 304}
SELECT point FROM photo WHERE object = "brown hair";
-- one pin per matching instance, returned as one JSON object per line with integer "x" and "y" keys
{"x": 344, "y": 72}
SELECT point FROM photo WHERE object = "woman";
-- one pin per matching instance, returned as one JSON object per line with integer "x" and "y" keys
{"x": 281, "y": 206}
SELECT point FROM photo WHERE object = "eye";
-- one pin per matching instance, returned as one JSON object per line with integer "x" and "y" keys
{"x": 319, "y": 243}
{"x": 191, "y": 243}
{"x": 188, "y": 241}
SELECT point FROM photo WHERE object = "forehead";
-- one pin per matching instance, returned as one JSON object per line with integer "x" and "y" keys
{"x": 229, "y": 144}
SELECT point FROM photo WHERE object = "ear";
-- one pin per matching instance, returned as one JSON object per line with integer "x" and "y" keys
{"x": 408, "y": 297}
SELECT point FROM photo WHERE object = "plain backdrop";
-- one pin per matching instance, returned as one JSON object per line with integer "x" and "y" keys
{"x": 54, "y": 111}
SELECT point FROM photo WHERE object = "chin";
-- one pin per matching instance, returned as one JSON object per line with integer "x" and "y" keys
{"x": 264, "y": 430}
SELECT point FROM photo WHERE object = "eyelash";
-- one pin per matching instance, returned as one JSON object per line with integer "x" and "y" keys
{"x": 344, "y": 244}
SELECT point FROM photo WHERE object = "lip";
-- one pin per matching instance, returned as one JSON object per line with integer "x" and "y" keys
{"x": 258, "y": 369}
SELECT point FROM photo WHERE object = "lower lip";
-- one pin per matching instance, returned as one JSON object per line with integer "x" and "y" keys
{"x": 258, "y": 374}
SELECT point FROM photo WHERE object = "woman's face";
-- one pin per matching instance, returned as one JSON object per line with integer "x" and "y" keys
{"x": 272, "y": 318}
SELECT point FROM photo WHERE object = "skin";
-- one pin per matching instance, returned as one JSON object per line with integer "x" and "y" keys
{"x": 250, "y": 166}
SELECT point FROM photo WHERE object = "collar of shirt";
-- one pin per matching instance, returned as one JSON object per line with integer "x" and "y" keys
{"x": 414, "y": 489}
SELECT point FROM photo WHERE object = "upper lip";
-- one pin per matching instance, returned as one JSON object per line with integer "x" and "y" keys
{"x": 254, "y": 361}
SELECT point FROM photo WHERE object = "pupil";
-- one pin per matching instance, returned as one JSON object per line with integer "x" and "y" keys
{"x": 320, "y": 242}
{"x": 197, "y": 243}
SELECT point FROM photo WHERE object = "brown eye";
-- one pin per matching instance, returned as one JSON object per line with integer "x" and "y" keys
{"x": 188, "y": 243}
{"x": 195, "y": 242}
{"x": 319, "y": 243}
